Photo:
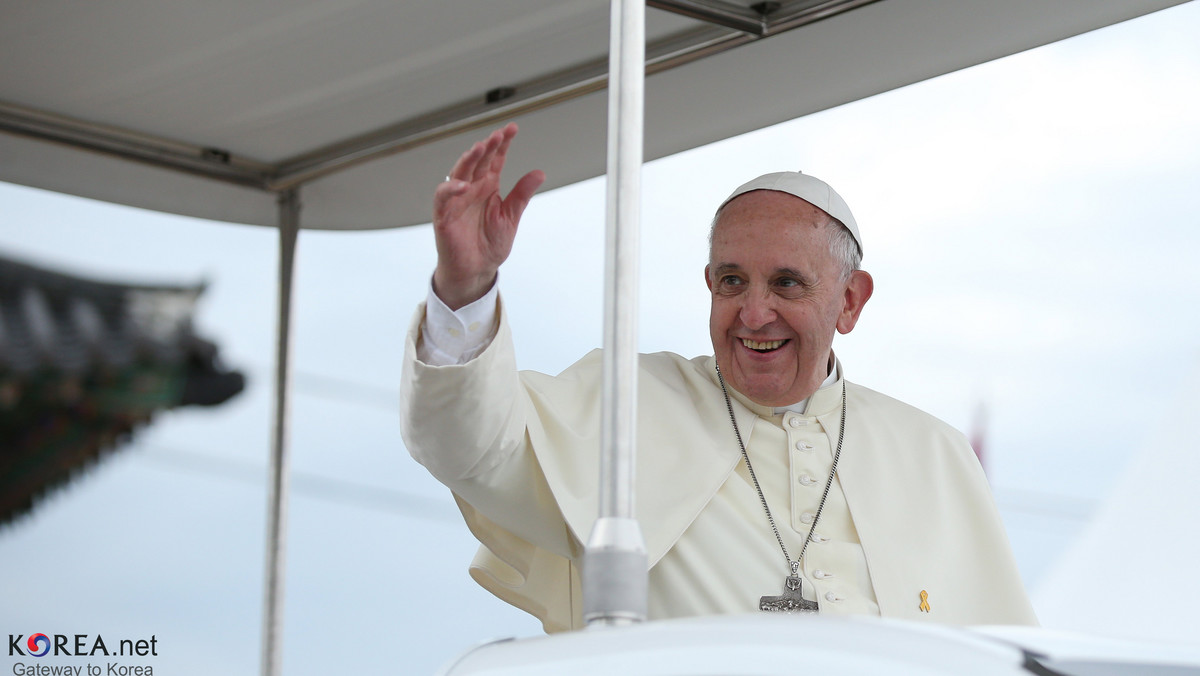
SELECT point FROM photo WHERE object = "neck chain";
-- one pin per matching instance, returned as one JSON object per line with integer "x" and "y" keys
{"x": 791, "y": 599}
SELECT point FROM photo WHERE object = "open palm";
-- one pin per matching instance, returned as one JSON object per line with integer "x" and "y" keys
{"x": 473, "y": 225}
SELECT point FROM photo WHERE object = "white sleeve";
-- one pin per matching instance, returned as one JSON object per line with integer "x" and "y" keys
{"x": 452, "y": 337}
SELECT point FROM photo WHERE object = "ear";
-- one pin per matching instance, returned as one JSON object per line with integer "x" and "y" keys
{"x": 707, "y": 279}
{"x": 859, "y": 288}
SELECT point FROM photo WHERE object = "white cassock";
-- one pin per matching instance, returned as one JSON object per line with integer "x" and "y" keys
{"x": 909, "y": 516}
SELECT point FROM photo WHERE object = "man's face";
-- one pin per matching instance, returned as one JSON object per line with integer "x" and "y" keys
{"x": 777, "y": 296}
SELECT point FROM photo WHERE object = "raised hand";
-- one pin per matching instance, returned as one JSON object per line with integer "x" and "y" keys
{"x": 475, "y": 227}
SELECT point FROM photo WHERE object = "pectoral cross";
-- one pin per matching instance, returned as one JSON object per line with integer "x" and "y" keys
{"x": 790, "y": 601}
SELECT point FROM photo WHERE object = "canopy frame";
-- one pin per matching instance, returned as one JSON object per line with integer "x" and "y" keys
{"x": 277, "y": 500}
{"x": 615, "y": 570}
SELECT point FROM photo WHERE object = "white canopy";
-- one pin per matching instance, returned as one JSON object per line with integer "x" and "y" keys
{"x": 363, "y": 102}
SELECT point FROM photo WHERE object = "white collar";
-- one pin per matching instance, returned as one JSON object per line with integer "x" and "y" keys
{"x": 801, "y": 406}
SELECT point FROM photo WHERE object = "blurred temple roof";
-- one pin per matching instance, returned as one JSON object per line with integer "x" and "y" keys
{"x": 84, "y": 363}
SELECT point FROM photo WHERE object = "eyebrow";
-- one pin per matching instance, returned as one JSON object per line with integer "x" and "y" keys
{"x": 724, "y": 268}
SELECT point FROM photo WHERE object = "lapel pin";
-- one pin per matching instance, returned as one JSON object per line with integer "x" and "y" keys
{"x": 924, "y": 601}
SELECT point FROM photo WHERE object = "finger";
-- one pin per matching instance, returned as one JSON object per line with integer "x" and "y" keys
{"x": 445, "y": 192}
{"x": 514, "y": 205}
{"x": 450, "y": 188}
{"x": 507, "y": 134}
{"x": 484, "y": 167}
{"x": 464, "y": 168}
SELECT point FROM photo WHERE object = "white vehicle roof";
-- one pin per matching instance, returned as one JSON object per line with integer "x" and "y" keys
{"x": 775, "y": 645}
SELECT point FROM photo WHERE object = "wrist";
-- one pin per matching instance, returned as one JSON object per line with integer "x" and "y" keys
{"x": 457, "y": 291}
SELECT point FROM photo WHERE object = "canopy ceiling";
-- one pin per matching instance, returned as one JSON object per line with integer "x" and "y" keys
{"x": 363, "y": 104}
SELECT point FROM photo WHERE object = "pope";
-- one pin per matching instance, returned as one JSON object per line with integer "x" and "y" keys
{"x": 765, "y": 480}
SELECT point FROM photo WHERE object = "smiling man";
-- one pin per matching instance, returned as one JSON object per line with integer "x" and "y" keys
{"x": 783, "y": 275}
{"x": 765, "y": 480}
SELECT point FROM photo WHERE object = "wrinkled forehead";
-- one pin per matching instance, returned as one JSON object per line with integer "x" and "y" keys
{"x": 764, "y": 225}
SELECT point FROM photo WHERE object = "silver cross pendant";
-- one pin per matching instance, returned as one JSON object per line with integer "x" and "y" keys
{"x": 790, "y": 601}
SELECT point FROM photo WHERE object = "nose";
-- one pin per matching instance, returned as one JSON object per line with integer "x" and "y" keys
{"x": 758, "y": 310}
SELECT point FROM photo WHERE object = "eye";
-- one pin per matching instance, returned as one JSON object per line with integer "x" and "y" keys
{"x": 729, "y": 284}
{"x": 790, "y": 286}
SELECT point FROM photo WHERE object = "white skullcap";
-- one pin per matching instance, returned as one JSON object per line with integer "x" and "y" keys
{"x": 808, "y": 188}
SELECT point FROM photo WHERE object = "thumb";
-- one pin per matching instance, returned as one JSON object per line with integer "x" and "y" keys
{"x": 514, "y": 205}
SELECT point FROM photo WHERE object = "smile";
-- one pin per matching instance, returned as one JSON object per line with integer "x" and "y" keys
{"x": 764, "y": 346}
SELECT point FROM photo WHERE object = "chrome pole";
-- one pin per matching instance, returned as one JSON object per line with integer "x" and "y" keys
{"x": 614, "y": 566}
{"x": 289, "y": 227}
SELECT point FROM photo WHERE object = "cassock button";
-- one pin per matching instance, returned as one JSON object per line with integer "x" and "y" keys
{"x": 797, "y": 422}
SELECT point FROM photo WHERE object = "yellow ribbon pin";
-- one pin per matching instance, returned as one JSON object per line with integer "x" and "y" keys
{"x": 924, "y": 601}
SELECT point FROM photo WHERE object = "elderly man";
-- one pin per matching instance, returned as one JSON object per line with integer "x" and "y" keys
{"x": 765, "y": 481}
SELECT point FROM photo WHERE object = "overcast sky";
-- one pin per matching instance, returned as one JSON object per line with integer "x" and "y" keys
{"x": 1031, "y": 225}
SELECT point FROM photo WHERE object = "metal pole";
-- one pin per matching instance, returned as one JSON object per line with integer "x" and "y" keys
{"x": 289, "y": 227}
{"x": 614, "y": 566}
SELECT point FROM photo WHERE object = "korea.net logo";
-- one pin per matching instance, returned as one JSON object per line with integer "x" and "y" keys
{"x": 79, "y": 645}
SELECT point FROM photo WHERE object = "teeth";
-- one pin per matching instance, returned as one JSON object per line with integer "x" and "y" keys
{"x": 755, "y": 345}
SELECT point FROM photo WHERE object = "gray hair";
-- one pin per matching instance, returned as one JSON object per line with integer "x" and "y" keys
{"x": 842, "y": 245}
